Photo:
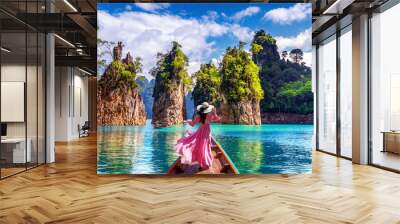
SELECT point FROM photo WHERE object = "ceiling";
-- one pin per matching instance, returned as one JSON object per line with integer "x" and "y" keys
{"x": 330, "y": 15}
{"x": 73, "y": 21}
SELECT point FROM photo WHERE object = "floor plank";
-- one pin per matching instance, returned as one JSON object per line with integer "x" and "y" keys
{"x": 70, "y": 191}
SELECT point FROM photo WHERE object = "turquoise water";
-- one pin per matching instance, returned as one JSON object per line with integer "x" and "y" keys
{"x": 266, "y": 149}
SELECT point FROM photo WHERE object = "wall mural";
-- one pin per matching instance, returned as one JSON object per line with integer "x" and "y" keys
{"x": 205, "y": 88}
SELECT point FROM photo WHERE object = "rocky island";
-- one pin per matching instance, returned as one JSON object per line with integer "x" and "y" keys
{"x": 118, "y": 98}
{"x": 248, "y": 87}
{"x": 240, "y": 88}
{"x": 172, "y": 81}
{"x": 234, "y": 88}
{"x": 286, "y": 81}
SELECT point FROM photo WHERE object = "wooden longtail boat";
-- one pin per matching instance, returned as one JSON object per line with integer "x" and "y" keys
{"x": 222, "y": 164}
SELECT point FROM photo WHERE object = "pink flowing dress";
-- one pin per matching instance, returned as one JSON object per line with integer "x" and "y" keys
{"x": 195, "y": 147}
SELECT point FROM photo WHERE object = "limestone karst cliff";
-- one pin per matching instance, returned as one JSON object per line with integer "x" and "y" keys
{"x": 243, "y": 112}
{"x": 234, "y": 88}
{"x": 118, "y": 98}
{"x": 172, "y": 80}
{"x": 241, "y": 90}
{"x": 169, "y": 107}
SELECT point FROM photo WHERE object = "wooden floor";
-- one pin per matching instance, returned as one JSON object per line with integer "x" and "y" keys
{"x": 69, "y": 191}
{"x": 387, "y": 159}
{"x": 5, "y": 172}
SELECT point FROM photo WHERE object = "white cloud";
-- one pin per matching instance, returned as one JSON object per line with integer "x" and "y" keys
{"x": 146, "y": 34}
{"x": 246, "y": 12}
{"x": 215, "y": 62}
{"x": 301, "y": 41}
{"x": 242, "y": 33}
{"x": 298, "y": 12}
{"x": 152, "y": 7}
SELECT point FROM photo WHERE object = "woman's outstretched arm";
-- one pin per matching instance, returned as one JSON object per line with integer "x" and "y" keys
{"x": 214, "y": 115}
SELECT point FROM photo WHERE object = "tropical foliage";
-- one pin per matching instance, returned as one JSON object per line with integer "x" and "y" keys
{"x": 286, "y": 83}
{"x": 208, "y": 83}
{"x": 264, "y": 48}
{"x": 121, "y": 75}
{"x": 171, "y": 70}
{"x": 240, "y": 79}
{"x": 281, "y": 81}
{"x": 296, "y": 97}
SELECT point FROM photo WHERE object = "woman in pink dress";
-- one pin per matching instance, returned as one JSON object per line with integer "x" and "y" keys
{"x": 195, "y": 147}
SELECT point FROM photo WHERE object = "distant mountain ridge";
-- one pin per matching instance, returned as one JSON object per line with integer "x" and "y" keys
{"x": 146, "y": 91}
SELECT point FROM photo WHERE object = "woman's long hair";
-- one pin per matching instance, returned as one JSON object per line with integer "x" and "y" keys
{"x": 202, "y": 115}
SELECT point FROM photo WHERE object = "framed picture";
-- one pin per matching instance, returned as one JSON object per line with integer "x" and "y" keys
{"x": 204, "y": 88}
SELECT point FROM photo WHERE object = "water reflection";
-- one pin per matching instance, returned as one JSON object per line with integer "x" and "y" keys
{"x": 253, "y": 149}
{"x": 120, "y": 150}
{"x": 247, "y": 155}
{"x": 163, "y": 142}
{"x": 137, "y": 149}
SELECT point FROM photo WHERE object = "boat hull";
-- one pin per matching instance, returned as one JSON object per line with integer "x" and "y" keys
{"x": 222, "y": 164}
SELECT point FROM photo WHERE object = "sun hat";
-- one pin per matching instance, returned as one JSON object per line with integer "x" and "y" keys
{"x": 205, "y": 108}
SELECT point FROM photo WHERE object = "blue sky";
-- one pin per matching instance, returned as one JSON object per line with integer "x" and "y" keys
{"x": 204, "y": 30}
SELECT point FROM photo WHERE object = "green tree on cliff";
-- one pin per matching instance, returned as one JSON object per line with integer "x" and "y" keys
{"x": 171, "y": 70}
{"x": 208, "y": 82}
{"x": 263, "y": 48}
{"x": 296, "y": 55}
{"x": 240, "y": 78}
{"x": 281, "y": 79}
{"x": 118, "y": 99}
{"x": 121, "y": 74}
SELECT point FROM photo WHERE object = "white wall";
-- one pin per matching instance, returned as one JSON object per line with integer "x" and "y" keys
{"x": 81, "y": 108}
{"x": 13, "y": 100}
{"x": 62, "y": 82}
{"x": 14, "y": 73}
{"x": 33, "y": 126}
{"x": 71, "y": 102}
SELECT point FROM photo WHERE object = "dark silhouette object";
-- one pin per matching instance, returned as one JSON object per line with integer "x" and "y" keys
{"x": 84, "y": 130}
{"x": 3, "y": 130}
{"x": 117, "y": 52}
{"x": 128, "y": 59}
{"x": 296, "y": 55}
{"x": 284, "y": 55}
